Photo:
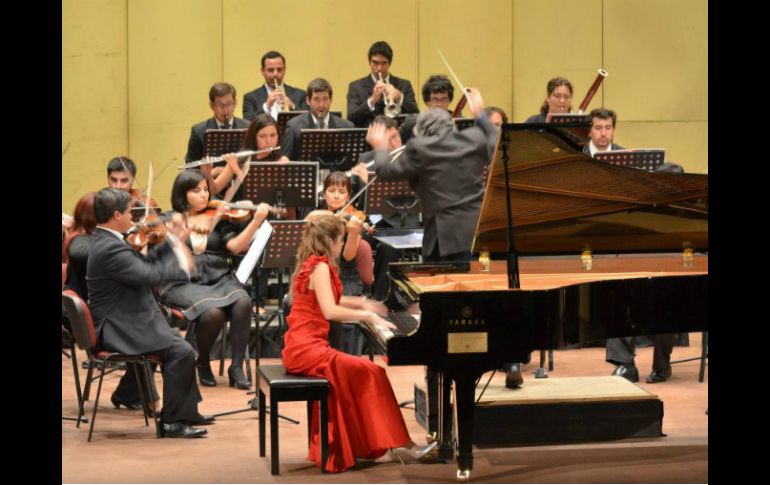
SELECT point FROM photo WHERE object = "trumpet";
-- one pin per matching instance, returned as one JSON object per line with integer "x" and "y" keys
{"x": 392, "y": 109}
{"x": 284, "y": 102}
{"x": 241, "y": 154}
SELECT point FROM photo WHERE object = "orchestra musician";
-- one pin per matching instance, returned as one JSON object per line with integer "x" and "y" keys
{"x": 213, "y": 295}
{"x": 222, "y": 101}
{"x": 319, "y": 100}
{"x": 121, "y": 174}
{"x": 274, "y": 96}
{"x": 367, "y": 96}
{"x": 496, "y": 115}
{"x": 437, "y": 92}
{"x": 128, "y": 318}
{"x": 77, "y": 244}
{"x": 365, "y": 420}
{"x": 558, "y": 100}
{"x": 602, "y": 132}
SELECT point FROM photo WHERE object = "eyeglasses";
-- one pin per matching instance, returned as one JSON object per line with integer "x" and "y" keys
{"x": 562, "y": 97}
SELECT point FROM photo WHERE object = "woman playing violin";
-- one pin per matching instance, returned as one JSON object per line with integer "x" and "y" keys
{"x": 214, "y": 295}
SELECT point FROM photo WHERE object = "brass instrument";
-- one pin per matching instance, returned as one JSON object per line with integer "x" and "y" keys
{"x": 392, "y": 109}
{"x": 284, "y": 102}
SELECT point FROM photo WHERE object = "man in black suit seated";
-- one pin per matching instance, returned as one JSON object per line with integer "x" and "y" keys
{"x": 437, "y": 92}
{"x": 319, "y": 100}
{"x": 222, "y": 102}
{"x": 366, "y": 95}
{"x": 128, "y": 319}
{"x": 268, "y": 99}
{"x": 602, "y": 132}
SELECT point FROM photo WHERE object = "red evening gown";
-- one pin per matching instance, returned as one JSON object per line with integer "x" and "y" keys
{"x": 364, "y": 418}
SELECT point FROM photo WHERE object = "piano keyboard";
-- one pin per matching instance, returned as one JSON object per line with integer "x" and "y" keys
{"x": 406, "y": 324}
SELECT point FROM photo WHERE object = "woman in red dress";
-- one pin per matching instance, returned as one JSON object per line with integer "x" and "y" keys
{"x": 365, "y": 420}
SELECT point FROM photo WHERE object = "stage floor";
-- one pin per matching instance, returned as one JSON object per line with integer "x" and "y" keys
{"x": 123, "y": 450}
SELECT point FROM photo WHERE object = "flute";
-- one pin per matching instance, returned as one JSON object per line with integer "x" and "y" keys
{"x": 244, "y": 153}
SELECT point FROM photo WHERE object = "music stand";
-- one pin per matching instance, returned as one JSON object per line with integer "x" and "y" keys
{"x": 392, "y": 197}
{"x": 463, "y": 123}
{"x": 333, "y": 149}
{"x": 644, "y": 159}
{"x": 218, "y": 142}
{"x": 282, "y": 184}
{"x": 286, "y": 116}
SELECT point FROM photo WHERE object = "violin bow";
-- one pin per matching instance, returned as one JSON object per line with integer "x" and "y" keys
{"x": 393, "y": 156}
{"x": 457, "y": 79}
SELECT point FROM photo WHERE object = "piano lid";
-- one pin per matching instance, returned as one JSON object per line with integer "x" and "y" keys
{"x": 564, "y": 201}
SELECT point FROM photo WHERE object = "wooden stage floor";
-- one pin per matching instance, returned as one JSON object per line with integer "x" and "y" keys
{"x": 123, "y": 450}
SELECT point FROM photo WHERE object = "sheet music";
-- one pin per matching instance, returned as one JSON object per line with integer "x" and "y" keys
{"x": 255, "y": 251}
{"x": 406, "y": 241}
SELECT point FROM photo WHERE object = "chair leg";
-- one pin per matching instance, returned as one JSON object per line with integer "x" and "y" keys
{"x": 96, "y": 401}
{"x": 309, "y": 419}
{"x": 89, "y": 375}
{"x": 262, "y": 426}
{"x": 81, "y": 408}
{"x": 273, "y": 436}
{"x": 703, "y": 356}
{"x": 149, "y": 404}
{"x": 324, "y": 434}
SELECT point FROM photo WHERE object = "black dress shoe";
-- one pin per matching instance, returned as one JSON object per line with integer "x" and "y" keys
{"x": 205, "y": 375}
{"x": 179, "y": 430}
{"x": 628, "y": 371}
{"x": 513, "y": 377}
{"x": 117, "y": 402}
{"x": 200, "y": 420}
{"x": 658, "y": 376}
{"x": 237, "y": 379}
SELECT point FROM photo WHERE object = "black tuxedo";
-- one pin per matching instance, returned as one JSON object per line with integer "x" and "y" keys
{"x": 447, "y": 174}
{"x": 290, "y": 141}
{"x": 360, "y": 90}
{"x": 128, "y": 320}
{"x": 253, "y": 100}
{"x": 196, "y": 145}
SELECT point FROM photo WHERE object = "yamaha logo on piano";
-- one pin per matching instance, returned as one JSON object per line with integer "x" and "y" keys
{"x": 467, "y": 318}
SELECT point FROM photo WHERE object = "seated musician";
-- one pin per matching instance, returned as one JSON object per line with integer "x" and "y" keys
{"x": 77, "y": 244}
{"x": 319, "y": 100}
{"x": 437, "y": 92}
{"x": 366, "y": 96}
{"x": 558, "y": 100}
{"x": 602, "y": 132}
{"x": 121, "y": 173}
{"x": 365, "y": 420}
{"x": 127, "y": 317}
{"x": 496, "y": 115}
{"x": 274, "y": 96}
{"x": 262, "y": 134}
{"x": 213, "y": 295}
{"x": 222, "y": 101}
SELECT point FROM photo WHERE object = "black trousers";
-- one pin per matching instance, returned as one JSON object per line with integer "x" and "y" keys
{"x": 621, "y": 351}
{"x": 180, "y": 391}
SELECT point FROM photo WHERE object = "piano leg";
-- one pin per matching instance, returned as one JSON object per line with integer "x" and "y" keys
{"x": 465, "y": 392}
{"x": 439, "y": 389}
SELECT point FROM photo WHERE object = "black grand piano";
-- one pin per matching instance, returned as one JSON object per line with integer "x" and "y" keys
{"x": 583, "y": 250}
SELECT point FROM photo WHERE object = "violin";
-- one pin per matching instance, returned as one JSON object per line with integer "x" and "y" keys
{"x": 140, "y": 202}
{"x": 238, "y": 212}
{"x": 150, "y": 230}
{"x": 349, "y": 212}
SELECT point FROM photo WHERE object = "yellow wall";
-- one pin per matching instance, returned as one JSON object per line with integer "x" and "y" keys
{"x": 136, "y": 73}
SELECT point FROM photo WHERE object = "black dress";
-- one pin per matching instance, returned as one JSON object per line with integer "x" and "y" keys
{"x": 214, "y": 284}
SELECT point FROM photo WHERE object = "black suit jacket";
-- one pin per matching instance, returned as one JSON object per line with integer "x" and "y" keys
{"x": 447, "y": 174}
{"x": 253, "y": 100}
{"x": 360, "y": 90}
{"x": 120, "y": 281}
{"x": 587, "y": 148}
{"x": 196, "y": 145}
{"x": 291, "y": 136}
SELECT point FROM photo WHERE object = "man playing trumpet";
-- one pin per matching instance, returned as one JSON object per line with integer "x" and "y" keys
{"x": 379, "y": 92}
{"x": 274, "y": 96}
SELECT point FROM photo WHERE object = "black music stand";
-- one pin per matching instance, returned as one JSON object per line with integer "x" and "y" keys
{"x": 644, "y": 159}
{"x": 392, "y": 197}
{"x": 463, "y": 123}
{"x": 282, "y": 184}
{"x": 333, "y": 149}
{"x": 286, "y": 116}
{"x": 218, "y": 142}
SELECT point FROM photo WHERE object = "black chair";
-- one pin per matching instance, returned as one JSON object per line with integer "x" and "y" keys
{"x": 277, "y": 385}
{"x": 85, "y": 336}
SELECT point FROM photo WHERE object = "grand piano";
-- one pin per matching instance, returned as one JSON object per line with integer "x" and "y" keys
{"x": 582, "y": 250}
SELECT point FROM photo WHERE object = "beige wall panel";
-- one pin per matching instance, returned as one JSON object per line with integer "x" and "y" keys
{"x": 175, "y": 55}
{"x": 94, "y": 106}
{"x": 478, "y": 47}
{"x": 657, "y": 55}
{"x": 555, "y": 38}
{"x": 686, "y": 143}
{"x": 328, "y": 39}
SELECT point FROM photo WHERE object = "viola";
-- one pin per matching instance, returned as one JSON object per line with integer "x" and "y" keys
{"x": 150, "y": 230}
{"x": 140, "y": 202}
{"x": 349, "y": 212}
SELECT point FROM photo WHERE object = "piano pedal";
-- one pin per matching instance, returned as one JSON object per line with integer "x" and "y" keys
{"x": 430, "y": 437}
{"x": 541, "y": 373}
{"x": 463, "y": 475}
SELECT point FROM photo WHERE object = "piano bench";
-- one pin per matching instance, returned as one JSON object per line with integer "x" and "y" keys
{"x": 276, "y": 385}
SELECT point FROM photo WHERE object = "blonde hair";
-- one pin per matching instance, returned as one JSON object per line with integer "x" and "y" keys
{"x": 320, "y": 231}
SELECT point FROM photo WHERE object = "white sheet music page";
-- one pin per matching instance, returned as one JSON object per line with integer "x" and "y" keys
{"x": 255, "y": 251}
